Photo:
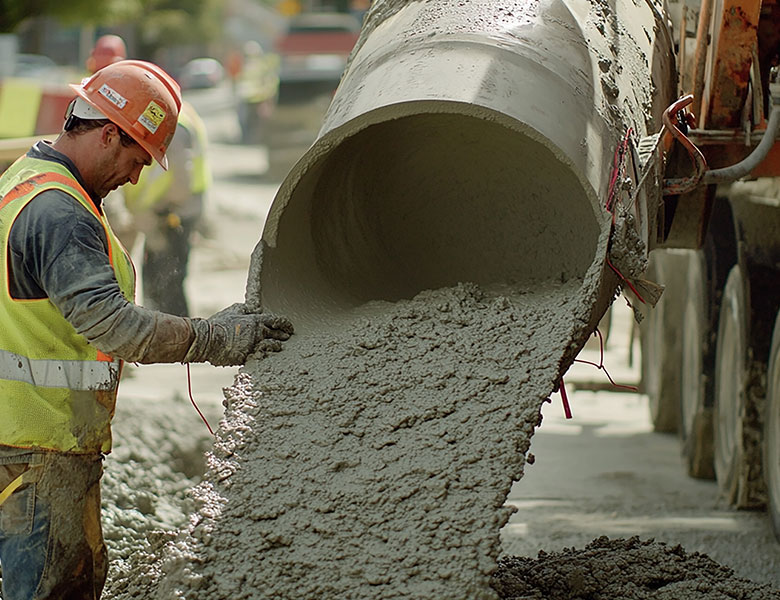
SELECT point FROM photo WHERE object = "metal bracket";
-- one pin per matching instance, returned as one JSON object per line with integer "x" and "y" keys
{"x": 682, "y": 121}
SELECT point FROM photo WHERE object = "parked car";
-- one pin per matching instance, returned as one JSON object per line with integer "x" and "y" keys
{"x": 201, "y": 73}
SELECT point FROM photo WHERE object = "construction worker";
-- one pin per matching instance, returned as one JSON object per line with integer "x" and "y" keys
{"x": 257, "y": 87}
{"x": 66, "y": 304}
{"x": 165, "y": 206}
{"x": 108, "y": 50}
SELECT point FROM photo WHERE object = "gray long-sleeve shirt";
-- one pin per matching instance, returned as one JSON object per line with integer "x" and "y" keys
{"x": 58, "y": 250}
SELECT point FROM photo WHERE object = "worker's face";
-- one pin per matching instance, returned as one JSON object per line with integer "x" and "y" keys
{"x": 120, "y": 162}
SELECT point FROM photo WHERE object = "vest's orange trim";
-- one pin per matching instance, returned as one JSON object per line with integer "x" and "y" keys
{"x": 72, "y": 182}
{"x": 23, "y": 188}
{"x": 29, "y": 185}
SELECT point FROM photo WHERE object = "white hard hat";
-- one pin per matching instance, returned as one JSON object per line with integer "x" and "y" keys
{"x": 82, "y": 110}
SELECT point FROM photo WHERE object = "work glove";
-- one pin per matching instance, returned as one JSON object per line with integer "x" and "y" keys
{"x": 228, "y": 337}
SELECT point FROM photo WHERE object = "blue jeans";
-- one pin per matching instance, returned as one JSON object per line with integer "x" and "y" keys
{"x": 51, "y": 542}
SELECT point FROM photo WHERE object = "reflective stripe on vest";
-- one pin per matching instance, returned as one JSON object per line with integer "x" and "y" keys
{"x": 72, "y": 374}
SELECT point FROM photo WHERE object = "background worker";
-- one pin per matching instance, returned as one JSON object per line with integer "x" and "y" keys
{"x": 108, "y": 49}
{"x": 256, "y": 88}
{"x": 69, "y": 321}
{"x": 165, "y": 206}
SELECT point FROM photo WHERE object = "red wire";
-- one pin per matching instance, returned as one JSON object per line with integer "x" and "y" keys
{"x": 626, "y": 281}
{"x": 565, "y": 399}
{"x": 189, "y": 389}
{"x": 620, "y": 153}
{"x": 601, "y": 366}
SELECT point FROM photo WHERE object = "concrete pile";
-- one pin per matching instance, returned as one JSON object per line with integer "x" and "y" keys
{"x": 624, "y": 568}
{"x": 372, "y": 458}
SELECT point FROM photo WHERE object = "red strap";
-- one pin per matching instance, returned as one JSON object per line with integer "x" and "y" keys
{"x": 565, "y": 399}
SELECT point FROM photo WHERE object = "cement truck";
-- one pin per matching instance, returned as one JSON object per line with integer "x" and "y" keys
{"x": 525, "y": 142}
{"x": 711, "y": 348}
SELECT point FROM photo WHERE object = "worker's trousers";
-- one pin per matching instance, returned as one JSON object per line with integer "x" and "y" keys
{"x": 51, "y": 541}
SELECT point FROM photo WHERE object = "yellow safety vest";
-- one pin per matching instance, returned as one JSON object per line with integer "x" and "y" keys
{"x": 57, "y": 392}
{"x": 154, "y": 182}
{"x": 191, "y": 121}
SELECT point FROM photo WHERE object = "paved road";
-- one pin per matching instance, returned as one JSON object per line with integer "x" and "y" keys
{"x": 604, "y": 472}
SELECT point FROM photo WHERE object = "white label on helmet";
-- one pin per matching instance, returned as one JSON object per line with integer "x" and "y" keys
{"x": 152, "y": 116}
{"x": 112, "y": 96}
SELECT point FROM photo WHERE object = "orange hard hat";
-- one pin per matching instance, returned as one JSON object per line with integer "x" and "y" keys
{"x": 108, "y": 50}
{"x": 140, "y": 98}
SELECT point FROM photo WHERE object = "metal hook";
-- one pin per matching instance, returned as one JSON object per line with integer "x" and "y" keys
{"x": 685, "y": 184}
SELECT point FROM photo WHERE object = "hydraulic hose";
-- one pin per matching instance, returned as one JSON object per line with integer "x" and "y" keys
{"x": 750, "y": 162}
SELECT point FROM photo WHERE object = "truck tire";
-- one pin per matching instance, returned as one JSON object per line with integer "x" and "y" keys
{"x": 772, "y": 431}
{"x": 695, "y": 415}
{"x": 661, "y": 344}
{"x": 735, "y": 436}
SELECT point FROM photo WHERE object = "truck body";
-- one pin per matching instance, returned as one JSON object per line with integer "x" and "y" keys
{"x": 313, "y": 52}
{"x": 711, "y": 347}
{"x": 678, "y": 167}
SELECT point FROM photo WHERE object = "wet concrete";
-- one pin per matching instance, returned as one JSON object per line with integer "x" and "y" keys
{"x": 386, "y": 444}
{"x": 372, "y": 457}
{"x": 623, "y": 568}
{"x": 147, "y": 495}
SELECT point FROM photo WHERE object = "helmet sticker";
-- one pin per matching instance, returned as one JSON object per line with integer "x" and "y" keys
{"x": 152, "y": 116}
{"x": 113, "y": 96}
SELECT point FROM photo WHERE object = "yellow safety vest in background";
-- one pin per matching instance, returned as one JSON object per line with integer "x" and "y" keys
{"x": 154, "y": 182}
{"x": 56, "y": 391}
{"x": 191, "y": 121}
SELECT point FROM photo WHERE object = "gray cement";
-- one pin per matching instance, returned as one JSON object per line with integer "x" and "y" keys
{"x": 372, "y": 458}
{"x": 386, "y": 445}
{"x": 620, "y": 568}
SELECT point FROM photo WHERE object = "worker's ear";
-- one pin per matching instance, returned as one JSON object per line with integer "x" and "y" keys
{"x": 109, "y": 134}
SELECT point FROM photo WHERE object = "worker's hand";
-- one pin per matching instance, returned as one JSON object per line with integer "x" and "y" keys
{"x": 231, "y": 335}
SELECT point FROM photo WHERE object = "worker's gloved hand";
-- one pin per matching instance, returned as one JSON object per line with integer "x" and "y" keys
{"x": 231, "y": 335}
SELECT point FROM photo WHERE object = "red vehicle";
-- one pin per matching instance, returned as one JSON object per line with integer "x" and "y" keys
{"x": 313, "y": 53}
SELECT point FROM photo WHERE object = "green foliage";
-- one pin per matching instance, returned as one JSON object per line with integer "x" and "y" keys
{"x": 14, "y": 12}
{"x": 171, "y": 22}
{"x": 158, "y": 22}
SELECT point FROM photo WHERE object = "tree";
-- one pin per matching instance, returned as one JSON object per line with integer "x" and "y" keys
{"x": 163, "y": 23}
{"x": 14, "y": 12}
{"x": 157, "y": 23}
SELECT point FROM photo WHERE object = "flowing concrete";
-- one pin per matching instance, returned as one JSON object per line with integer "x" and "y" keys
{"x": 442, "y": 251}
